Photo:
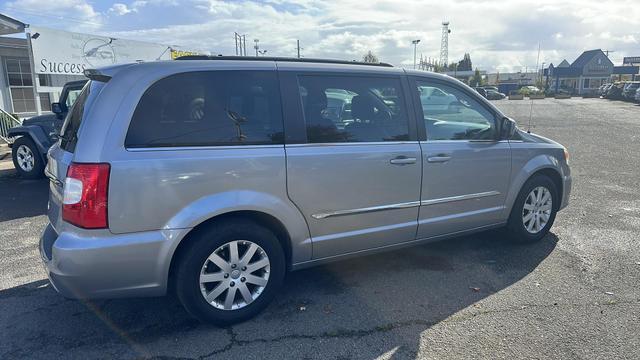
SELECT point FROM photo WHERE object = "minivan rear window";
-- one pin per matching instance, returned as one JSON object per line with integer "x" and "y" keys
{"x": 69, "y": 132}
{"x": 209, "y": 108}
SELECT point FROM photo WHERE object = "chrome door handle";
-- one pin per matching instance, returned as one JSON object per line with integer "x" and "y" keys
{"x": 440, "y": 158}
{"x": 403, "y": 160}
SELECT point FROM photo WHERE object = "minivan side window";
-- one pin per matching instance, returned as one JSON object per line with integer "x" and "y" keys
{"x": 353, "y": 109}
{"x": 452, "y": 114}
{"x": 209, "y": 108}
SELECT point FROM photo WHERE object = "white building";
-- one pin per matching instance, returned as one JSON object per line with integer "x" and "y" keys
{"x": 36, "y": 62}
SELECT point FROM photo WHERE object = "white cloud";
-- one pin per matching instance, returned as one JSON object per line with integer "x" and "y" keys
{"x": 498, "y": 34}
{"x": 79, "y": 13}
{"x": 121, "y": 9}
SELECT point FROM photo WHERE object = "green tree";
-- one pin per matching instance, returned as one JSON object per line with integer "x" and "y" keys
{"x": 369, "y": 57}
{"x": 465, "y": 63}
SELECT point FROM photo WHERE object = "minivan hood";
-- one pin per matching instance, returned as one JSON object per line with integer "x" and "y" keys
{"x": 530, "y": 137}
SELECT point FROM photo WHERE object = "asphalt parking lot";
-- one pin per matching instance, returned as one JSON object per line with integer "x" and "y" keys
{"x": 576, "y": 294}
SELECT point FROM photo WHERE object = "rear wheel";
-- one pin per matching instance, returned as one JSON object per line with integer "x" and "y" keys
{"x": 534, "y": 211}
{"x": 26, "y": 158}
{"x": 231, "y": 272}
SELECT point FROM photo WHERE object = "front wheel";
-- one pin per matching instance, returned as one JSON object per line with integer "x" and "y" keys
{"x": 26, "y": 158}
{"x": 534, "y": 210}
{"x": 230, "y": 272}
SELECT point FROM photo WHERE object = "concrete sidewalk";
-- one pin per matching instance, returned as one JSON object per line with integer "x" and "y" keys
{"x": 5, "y": 157}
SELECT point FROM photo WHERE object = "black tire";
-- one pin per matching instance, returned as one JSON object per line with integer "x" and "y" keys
{"x": 38, "y": 165}
{"x": 205, "y": 242}
{"x": 516, "y": 229}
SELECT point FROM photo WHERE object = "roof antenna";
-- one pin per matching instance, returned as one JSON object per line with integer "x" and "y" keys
{"x": 530, "y": 99}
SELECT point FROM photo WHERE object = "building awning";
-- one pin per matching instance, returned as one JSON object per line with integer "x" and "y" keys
{"x": 626, "y": 70}
{"x": 10, "y": 25}
{"x": 566, "y": 72}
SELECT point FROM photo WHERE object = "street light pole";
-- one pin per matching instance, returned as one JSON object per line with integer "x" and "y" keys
{"x": 244, "y": 47}
{"x": 415, "y": 48}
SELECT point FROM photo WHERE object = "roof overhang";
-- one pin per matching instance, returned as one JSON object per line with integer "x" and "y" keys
{"x": 10, "y": 25}
{"x": 626, "y": 70}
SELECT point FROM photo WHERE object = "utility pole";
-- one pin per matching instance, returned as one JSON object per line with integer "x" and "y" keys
{"x": 298, "y": 48}
{"x": 241, "y": 44}
{"x": 244, "y": 46}
{"x": 415, "y": 48}
{"x": 235, "y": 38}
{"x": 256, "y": 46}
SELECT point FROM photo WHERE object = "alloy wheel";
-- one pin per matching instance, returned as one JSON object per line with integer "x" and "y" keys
{"x": 234, "y": 275}
{"x": 25, "y": 158}
{"x": 537, "y": 209}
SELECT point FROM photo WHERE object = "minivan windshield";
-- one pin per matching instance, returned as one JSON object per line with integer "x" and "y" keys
{"x": 69, "y": 132}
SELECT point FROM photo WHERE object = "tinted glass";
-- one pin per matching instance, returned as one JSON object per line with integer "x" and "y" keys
{"x": 209, "y": 108}
{"x": 69, "y": 132}
{"x": 353, "y": 109}
{"x": 452, "y": 114}
{"x": 71, "y": 97}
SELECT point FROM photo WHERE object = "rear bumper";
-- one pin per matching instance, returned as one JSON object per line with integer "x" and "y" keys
{"x": 125, "y": 265}
{"x": 566, "y": 191}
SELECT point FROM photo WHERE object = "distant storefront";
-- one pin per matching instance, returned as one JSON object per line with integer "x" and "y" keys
{"x": 629, "y": 71}
{"x": 583, "y": 77}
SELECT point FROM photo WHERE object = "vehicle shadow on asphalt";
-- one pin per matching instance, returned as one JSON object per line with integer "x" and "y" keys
{"x": 377, "y": 304}
{"x": 21, "y": 197}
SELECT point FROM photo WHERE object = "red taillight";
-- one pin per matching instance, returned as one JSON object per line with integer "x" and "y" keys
{"x": 85, "y": 195}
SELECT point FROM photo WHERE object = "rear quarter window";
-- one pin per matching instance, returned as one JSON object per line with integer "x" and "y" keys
{"x": 210, "y": 108}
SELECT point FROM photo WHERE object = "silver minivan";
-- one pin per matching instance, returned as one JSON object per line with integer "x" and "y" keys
{"x": 215, "y": 176}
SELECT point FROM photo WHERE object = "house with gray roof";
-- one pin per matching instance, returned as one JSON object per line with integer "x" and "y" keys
{"x": 583, "y": 76}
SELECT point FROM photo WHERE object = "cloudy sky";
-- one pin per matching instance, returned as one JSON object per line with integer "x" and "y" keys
{"x": 499, "y": 35}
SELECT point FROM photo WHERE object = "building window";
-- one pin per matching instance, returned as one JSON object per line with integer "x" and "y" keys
{"x": 44, "y": 79}
{"x": 586, "y": 83}
{"x": 45, "y": 101}
{"x": 20, "y": 85}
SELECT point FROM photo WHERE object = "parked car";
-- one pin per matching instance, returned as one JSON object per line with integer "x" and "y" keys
{"x": 495, "y": 95}
{"x": 629, "y": 90}
{"x": 436, "y": 99}
{"x": 615, "y": 91}
{"x": 490, "y": 87}
{"x": 603, "y": 89}
{"x": 481, "y": 91}
{"x": 529, "y": 89}
{"x": 37, "y": 134}
{"x": 173, "y": 175}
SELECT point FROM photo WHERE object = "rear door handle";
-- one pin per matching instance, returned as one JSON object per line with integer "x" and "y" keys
{"x": 440, "y": 158}
{"x": 403, "y": 160}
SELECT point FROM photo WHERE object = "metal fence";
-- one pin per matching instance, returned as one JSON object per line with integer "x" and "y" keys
{"x": 7, "y": 121}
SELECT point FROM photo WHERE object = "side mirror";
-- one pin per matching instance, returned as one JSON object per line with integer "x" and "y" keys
{"x": 56, "y": 108}
{"x": 508, "y": 128}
